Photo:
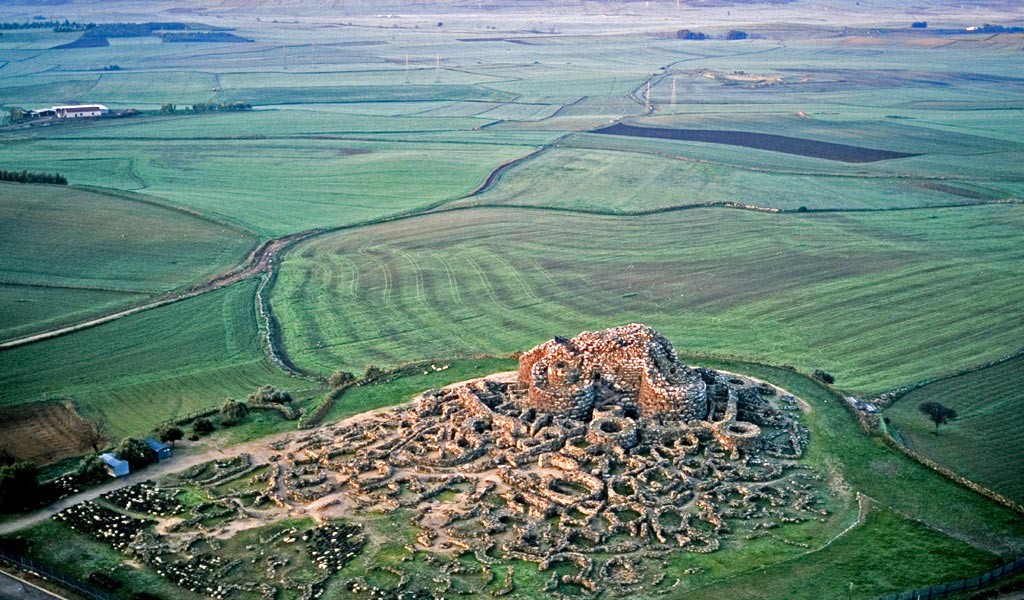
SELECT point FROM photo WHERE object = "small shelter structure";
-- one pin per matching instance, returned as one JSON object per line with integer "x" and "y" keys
{"x": 115, "y": 466}
{"x": 163, "y": 451}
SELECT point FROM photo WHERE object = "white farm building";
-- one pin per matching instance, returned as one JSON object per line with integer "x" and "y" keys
{"x": 80, "y": 110}
{"x": 72, "y": 111}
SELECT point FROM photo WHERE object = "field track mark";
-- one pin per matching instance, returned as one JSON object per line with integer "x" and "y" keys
{"x": 484, "y": 281}
{"x": 453, "y": 283}
{"x": 131, "y": 196}
{"x": 64, "y": 286}
{"x": 421, "y": 295}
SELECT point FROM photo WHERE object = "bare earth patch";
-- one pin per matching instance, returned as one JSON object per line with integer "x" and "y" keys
{"x": 44, "y": 432}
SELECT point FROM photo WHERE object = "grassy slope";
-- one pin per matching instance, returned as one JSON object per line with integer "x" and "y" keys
{"x": 139, "y": 371}
{"x": 602, "y": 180}
{"x": 873, "y": 300}
{"x": 118, "y": 249}
{"x": 68, "y": 237}
{"x": 79, "y": 555}
{"x": 887, "y": 554}
{"x": 981, "y": 443}
{"x": 27, "y": 309}
{"x": 370, "y": 397}
{"x": 273, "y": 186}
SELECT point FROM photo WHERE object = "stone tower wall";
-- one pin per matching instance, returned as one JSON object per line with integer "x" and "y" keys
{"x": 561, "y": 376}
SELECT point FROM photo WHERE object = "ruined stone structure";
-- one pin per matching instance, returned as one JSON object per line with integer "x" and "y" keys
{"x": 633, "y": 365}
{"x": 597, "y": 460}
{"x": 600, "y": 445}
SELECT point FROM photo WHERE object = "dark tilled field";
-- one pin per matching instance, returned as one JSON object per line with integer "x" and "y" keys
{"x": 759, "y": 141}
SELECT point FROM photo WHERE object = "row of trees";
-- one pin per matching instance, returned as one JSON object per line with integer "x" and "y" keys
{"x": 129, "y": 30}
{"x": 204, "y": 107}
{"x": 204, "y": 36}
{"x": 30, "y": 177}
{"x": 57, "y": 26}
{"x": 689, "y": 34}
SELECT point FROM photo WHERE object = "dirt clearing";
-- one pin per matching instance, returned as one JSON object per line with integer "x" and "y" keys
{"x": 44, "y": 432}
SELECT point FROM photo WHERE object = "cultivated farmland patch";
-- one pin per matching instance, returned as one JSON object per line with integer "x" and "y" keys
{"x": 760, "y": 141}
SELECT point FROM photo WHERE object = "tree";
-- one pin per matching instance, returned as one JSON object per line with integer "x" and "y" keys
{"x": 92, "y": 469}
{"x": 937, "y": 413}
{"x": 373, "y": 372}
{"x": 232, "y": 412}
{"x": 97, "y": 435}
{"x": 824, "y": 376}
{"x": 686, "y": 34}
{"x": 736, "y": 34}
{"x": 270, "y": 394}
{"x": 17, "y": 113}
{"x": 340, "y": 378}
{"x": 171, "y": 433}
{"x": 202, "y": 426}
{"x": 136, "y": 451}
{"x": 19, "y": 486}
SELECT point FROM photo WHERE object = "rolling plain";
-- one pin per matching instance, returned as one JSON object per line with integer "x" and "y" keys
{"x": 454, "y": 200}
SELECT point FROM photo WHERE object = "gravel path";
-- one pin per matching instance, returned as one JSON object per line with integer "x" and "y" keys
{"x": 186, "y": 455}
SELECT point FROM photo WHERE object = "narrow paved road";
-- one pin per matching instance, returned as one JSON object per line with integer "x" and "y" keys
{"x": 14, "y": 588}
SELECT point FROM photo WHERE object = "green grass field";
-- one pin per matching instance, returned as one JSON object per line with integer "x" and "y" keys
{"x": 274, "y": 186}
{"x": 981, "y": 444}
{"x": 344, "y": 132}
{"x": 874, "y": 300}
{"x": 67, "y": 237}
{"x": 30, "y": 308}
{"x": 67, "y": 253}
{"x": 139, "y": 371}
{"x": 403, "y": 389}
{"x": 624, "y": 182}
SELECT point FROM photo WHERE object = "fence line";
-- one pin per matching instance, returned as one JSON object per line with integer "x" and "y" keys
{"x": 27, "y": 564}
{"x": 963, "y": 585}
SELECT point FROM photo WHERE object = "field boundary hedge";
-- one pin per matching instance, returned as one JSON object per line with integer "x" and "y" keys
{"x": 272, "y": 331}
{"x": 886, "y": 399}
{"x": 51, "y": 574}
{"x": 961, "y": 585}
{"x": 313, "y": 418}
{"x": 949, "y": 474}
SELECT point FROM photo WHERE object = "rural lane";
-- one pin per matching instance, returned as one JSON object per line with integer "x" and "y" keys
{"x": 191, "y": 455}
{"x": 151, "y": 472}
{"x": 260, "y": 261}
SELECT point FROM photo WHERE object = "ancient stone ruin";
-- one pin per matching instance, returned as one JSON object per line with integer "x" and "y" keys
{"x": 600, "y": 459}
{"x": 601, "y": 445}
